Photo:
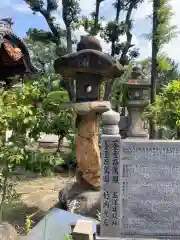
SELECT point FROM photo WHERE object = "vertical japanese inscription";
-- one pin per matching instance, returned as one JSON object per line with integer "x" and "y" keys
{"x": 115, "y": 208}
{"x": 105, "y": 208}
{"x": 106, "y": 163}
{"x": 150, "y": 183}
{"x": 105, "y": 203}
{"x": 115, "y": 160}
{"x": 110, "y": 189}
{"x": 126, "y": 172}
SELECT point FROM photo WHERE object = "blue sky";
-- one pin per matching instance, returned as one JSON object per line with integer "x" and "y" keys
{"x": 24, "y": 19}
{"x": 22, "y": 16}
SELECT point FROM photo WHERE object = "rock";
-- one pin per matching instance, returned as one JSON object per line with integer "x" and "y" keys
{"x": 86, "y": 204}
{"x": 8, "y": 232}
{"x": 80, "y": 199}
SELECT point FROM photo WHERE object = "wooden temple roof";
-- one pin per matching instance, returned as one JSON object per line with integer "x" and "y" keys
{"x": 14, "y": 56}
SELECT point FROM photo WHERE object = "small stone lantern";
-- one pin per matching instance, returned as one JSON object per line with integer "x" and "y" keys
{"x": 89, "y": 67}
{"x": 138, "y": 99}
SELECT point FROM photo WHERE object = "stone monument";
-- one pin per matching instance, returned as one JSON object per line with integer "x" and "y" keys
{"x": 141, "y": 198}
{"x": 89, "y": 67}
{"x": 138, "y": 99}
{"x": 150, "y": 188}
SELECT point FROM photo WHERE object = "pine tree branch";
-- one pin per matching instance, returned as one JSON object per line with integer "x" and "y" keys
{"x": 41, "y": 35}
{"x": 37, "y": 6}
{"x": 52, "y": 5}
{"x": 49, "y": 20}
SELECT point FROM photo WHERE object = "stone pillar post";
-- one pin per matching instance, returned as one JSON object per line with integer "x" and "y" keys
{"x": 110, "y": 175}
{"x": 87, "y": 142}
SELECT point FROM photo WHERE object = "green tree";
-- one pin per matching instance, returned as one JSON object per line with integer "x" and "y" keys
{"x": 55, "y": 120}
{"x": 19, "y": 116}
{"x": 162, "y": 32}
{"x": 43, "y": 55}
{"x": 166, "y": 110}
{"x": 26, "y": 121}
{"x": 58, "y": 121}
{"x": 167, "y": 70}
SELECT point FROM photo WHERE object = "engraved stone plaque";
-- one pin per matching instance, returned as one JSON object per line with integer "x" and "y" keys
{"x": 150, "y": 188}
{"x": 110, "y": 185}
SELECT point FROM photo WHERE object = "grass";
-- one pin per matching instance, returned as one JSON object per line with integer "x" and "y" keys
{"x": 16, "y": 214}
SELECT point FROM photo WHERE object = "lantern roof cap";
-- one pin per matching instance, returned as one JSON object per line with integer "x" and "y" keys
{"x": 89, "y": 58}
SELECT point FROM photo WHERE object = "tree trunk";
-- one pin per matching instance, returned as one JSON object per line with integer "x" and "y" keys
{"x": 96, "y": 18}
{"x": 178, "y": 134}
{"x": 4, "y": 192}
{"x": 60, "y": 139}
{"x": 155, "y": 49}
{"x": 69, "y": 38}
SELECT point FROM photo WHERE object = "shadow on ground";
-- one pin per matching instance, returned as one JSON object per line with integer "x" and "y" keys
{"x": 16, "y": 214}
{"x": 25, "y": 176}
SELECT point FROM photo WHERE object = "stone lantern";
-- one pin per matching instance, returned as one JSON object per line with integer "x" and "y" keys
{"x": 89, "y": 67}
{"x": 138, "y": 99}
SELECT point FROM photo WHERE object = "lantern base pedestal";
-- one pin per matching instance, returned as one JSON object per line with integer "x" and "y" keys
{"x": 80, "y": 198}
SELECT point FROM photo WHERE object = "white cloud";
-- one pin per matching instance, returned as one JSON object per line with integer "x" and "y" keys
{"x": 171, "y": 49}
{"x": 87, "y": 6}
{"x": 143, "y": 11}
{"x": 22, "y": 8}
{"x": 176, "y": 11}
